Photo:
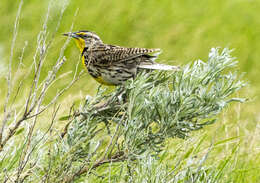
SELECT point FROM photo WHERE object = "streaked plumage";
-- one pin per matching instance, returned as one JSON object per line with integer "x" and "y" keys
{"x": 113, "y": 65}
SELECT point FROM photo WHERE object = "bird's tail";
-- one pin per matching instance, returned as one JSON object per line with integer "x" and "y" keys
{"x": 148, "y": 62}
{"x": 156, "y": 66}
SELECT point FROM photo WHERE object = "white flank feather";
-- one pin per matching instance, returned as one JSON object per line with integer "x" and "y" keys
{"x": 157, "y": 66}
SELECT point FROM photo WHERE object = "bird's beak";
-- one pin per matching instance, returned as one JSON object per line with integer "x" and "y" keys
{"x": 70, "y": 34}
{"x": 65, "y": 34}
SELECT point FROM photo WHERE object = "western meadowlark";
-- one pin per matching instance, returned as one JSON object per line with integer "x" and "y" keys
{"x": 113, "y": 65}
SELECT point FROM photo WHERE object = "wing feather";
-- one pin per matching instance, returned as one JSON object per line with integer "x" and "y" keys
{"x": 107, "y": 54}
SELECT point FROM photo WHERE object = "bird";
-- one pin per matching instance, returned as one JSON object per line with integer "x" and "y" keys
{"x": 111, "y": 64}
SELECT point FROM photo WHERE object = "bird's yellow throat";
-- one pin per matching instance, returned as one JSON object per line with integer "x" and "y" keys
{"x": 80, "y": 43}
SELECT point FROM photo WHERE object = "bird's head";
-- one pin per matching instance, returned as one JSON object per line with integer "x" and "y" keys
{"x": 84, "y": 38}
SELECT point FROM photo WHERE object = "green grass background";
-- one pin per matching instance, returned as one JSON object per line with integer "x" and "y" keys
{"x": 184, "y": 30}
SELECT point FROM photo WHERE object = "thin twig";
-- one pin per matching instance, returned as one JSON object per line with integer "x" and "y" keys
{"x": 114, "y": 135}
{"x": 28, "y": 155}
{"x": 118, "y": 157}
{"x": 9, "y": 77}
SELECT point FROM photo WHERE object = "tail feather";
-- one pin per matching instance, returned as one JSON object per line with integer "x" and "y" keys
{"x": 156, "y": 66}
{"x": 148, "y": 62}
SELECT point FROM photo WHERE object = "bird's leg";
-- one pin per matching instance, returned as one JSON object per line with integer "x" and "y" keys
{"x": 122, "y": 95}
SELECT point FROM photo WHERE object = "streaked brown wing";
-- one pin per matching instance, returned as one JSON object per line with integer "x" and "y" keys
{"x": 108, "y": 54}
